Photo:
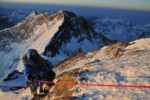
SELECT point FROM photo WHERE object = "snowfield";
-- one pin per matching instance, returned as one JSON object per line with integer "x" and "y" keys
{"x": 97, "y": 68}
{"x": 125, "y": 71}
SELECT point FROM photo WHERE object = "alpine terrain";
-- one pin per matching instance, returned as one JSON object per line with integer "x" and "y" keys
{"x": 89, "y": 61}
{"x": 117, "y": 64}
{"x": 58, "y": 36}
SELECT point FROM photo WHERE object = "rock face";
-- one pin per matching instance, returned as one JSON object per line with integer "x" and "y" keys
{"x": 74, "y": 35}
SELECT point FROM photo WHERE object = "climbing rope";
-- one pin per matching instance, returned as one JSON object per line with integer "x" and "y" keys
{"x": 102, "y": 85}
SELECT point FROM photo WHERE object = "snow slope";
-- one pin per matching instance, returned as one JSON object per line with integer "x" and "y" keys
{"x": 94, "y": 69}
{"x": 99, "y": 69}
{"x": 126, "y": 71}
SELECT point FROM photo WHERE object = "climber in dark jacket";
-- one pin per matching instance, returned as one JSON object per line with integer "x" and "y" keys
{"x": 37, "y": 68}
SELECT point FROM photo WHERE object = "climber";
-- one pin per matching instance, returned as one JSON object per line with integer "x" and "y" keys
{"x": 37, "y": 68}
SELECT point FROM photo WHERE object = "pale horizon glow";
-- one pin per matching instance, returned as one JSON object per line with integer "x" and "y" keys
{"x": 143, "y": 5}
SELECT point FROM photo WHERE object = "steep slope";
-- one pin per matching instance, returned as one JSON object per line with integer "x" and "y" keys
{"x": 75, "y": 35}
{"x": 95, "y": 68}
{"x": 120, "y": 30}
{"x": 59, "y": 36}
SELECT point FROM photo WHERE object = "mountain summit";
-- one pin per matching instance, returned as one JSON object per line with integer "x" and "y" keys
{"x": 74, "y": 35}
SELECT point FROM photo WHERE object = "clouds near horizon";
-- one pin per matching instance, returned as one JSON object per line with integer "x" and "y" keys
{"x": 123, "y": 4}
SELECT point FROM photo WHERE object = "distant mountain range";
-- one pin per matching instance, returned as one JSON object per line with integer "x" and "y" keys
{"x": 120, "y": 30}
{"x": 11, "y": 17}
{"x": 115, "y": 29}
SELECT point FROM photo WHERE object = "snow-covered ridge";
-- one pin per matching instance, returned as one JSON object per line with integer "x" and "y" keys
{"x": 120, "y": 30}
{"x": 76, "y": 34}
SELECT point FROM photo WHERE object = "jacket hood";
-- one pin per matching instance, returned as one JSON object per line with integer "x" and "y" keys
{"x": 32, "y": 52}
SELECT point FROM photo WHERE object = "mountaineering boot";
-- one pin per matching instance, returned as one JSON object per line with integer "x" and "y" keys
{"x": 41, "y": 89}
{"x": 47, "y": 87}
{"x": 33, "y": 88}
{"x": 34, "y": 93}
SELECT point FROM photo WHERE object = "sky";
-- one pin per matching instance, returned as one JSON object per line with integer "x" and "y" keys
{"x": 135, "y": 11}
{"x": 143, "y": 5}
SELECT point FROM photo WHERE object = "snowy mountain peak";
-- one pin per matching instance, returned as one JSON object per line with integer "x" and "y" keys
{"x": 32, "y": 14}
{"x": 63, "y": 14}
{"x": 59, "y": 36}
{"x": 27, "y": 27}
{"x": 75, "y": 34}
{"x": 68, "y": 14}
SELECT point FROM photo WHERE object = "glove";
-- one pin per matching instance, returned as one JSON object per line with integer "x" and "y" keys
{"x": 30, "y": 79}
